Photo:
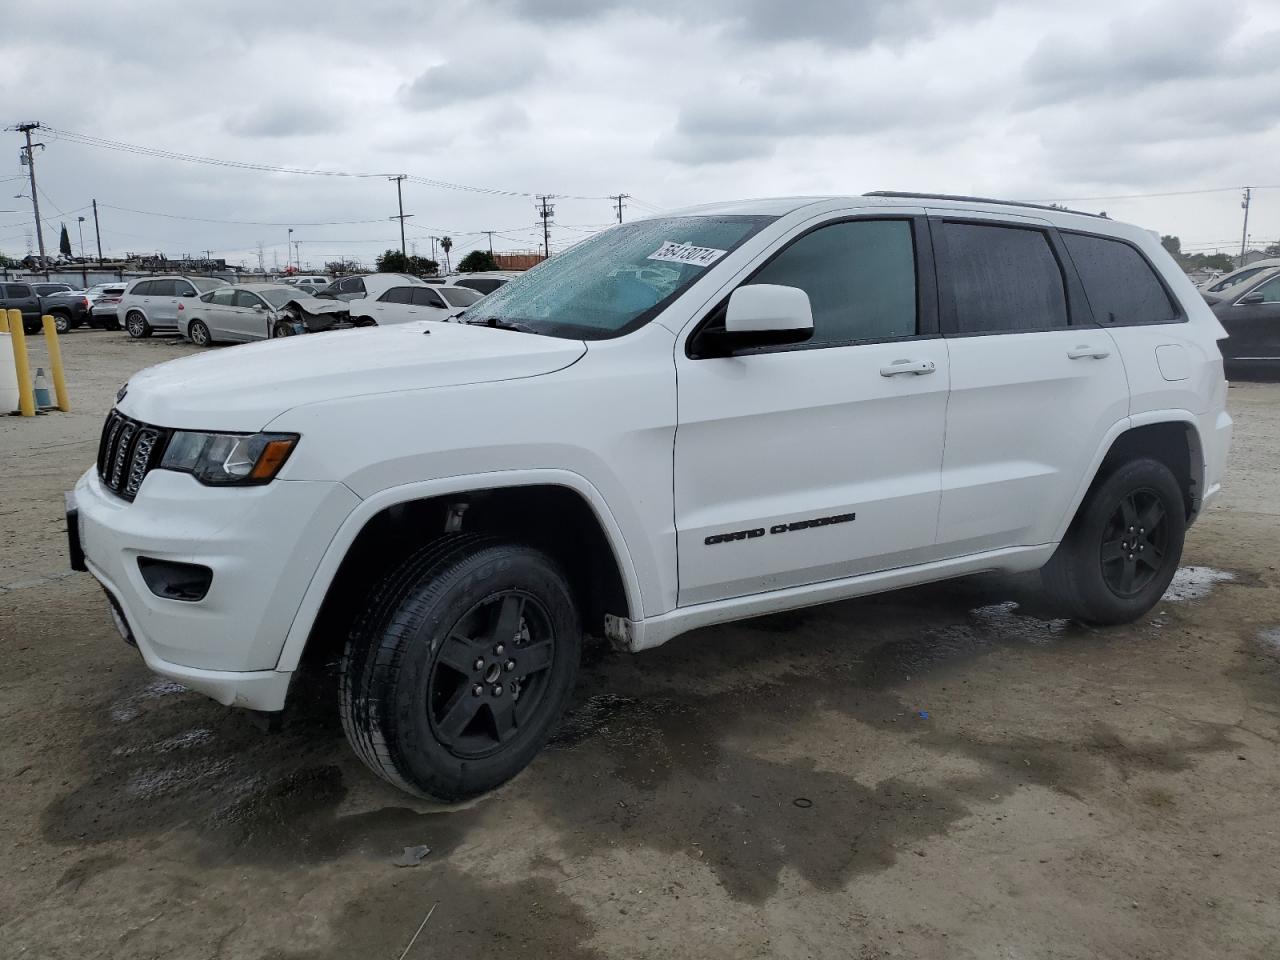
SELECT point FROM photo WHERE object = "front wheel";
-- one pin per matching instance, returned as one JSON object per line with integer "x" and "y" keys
{"x": 1123, "y": 547}
{"x": 458, "y": 670}
{"x": 283, "y": 328}
{"x": 137, "y": 325}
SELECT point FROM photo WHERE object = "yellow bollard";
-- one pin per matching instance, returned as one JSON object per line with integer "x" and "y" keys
{"x": 55, "y": 363}
{"x": 4, "y": 322}
{"x": 26, "y": 395}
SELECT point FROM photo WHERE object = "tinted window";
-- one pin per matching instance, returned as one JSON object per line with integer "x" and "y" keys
{"x": 482, "y": 284}
{"x": 17, "y": 290}
{"x": 424, "y": 297}
{"x": 398, "y": 295}
{"x": 1002, "y": 279}
{"x": 1270, "y": 290}
{"x": 142, "y": 288}
{"x": 164, "y": 288}
{"x": 45, "y": 289}
{"x": 246, "y": 299}
{"x": 353, "y": 285}
{"x": 1121, "y": 286}
{"x": 860, "y": 277}
{"x": 184, "y": 289}
{"x": 221, "y": 297}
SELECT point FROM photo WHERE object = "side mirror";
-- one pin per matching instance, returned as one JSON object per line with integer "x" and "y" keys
{"x": 258, "y": 307}
{"x": 760, "y": 315}
{"x": 1255, "y": 297}
{"x": 189, "y": 293}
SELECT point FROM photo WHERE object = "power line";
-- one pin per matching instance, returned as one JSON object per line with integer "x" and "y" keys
{"x": 246, "y": 223}
{"x": 1155, "y": 196}
{"x": 119, "y": 145}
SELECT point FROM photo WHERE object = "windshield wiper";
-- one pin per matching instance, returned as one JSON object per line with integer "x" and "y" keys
{"x": 499, "y": 324}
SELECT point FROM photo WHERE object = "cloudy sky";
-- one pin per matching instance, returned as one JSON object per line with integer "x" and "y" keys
{"x": 670, "y": 101}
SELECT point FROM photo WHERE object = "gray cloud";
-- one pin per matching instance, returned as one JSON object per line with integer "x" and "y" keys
{"x": 281, "y": 120}
{"x": 472, "y": 78}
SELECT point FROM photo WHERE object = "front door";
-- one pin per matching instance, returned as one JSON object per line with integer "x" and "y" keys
{"x": 1035, "y": 383}
{"x": 1253, "y": 329}
{"x": 247, "y": 316}
{"x": 818, "y": 461}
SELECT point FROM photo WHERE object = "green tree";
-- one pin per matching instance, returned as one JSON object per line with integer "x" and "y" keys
{"x": 1172, "y": 244}
{"x": 477, "y": 260}
{"x": 446, "y": 244}
{"x": 393, "y": 261}
{"x": 64, "y": 242}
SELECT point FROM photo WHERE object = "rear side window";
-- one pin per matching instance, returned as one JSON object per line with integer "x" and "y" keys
{"x": 398, "y": 295}
{"x": 141, "y": 289}
{"x": 860, "y": 277}
{"x": 163, "y": 288}
{"x": 1001, "y": 279}
{"x": 17, "y": 290}
{"x": 1119, "y": 283}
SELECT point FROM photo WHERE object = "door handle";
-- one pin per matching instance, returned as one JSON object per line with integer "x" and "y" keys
{"x": 899, "y": 367}
{"x": 1084, "y": 352}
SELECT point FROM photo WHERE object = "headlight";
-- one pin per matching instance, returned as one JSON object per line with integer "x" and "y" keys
{"x": 228, "y": 458}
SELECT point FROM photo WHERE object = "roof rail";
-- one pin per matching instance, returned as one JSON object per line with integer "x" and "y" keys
{"x": 1004, "y": 203}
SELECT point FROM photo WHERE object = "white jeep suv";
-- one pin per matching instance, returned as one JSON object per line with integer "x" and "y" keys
{"x": 696, "y": 418}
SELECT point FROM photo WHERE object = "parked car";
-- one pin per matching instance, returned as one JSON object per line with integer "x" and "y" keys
{"x": 256, "y": 311}
{"x": 484, "y": 282}
{"x": 681, "y": 421}
{"x": 366, "y": 288}
{"x": 69, "y": 308}
{"x": 47, "y": 289}
{"x": 1219, "y": 285}
{"x": 410, "y": 302}
{"x": 1251, "y": 316}
{"x": 314, "y": 281}
{"x": 104, "y": 302}
{"x": 21, "y": 295}
{"x": 157, "y": 302}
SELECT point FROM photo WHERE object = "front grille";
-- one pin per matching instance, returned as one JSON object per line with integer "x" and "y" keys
{"x": 128, "y": 451}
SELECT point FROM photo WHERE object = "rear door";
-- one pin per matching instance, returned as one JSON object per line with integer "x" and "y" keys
{"x": 162, "y": 303}
{"x": 219, "y": 314}
{"x": 1253, "y": 328}
{"x": 820, "y": 460}
{"x": 1035, "y": 383}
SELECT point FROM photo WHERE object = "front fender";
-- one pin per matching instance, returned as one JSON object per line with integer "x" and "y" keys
{"x": 367, "y": 509}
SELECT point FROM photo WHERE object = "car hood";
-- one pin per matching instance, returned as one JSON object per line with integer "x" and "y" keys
{"x": 243, "y": 388}
{"x": 316, "y": 305}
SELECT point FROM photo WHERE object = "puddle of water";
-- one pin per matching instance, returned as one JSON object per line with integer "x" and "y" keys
{"x": 1270, "y": 639}
{"x": 1196, "y": 583}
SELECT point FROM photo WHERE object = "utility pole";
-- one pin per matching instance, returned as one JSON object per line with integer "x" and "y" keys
{"x": 297, "y": 254}
{"x": 433, "y": 247}
{"x": 30, "y": 152}
{"x": 490, "y": 233}
{"x": 618, "y": 198}
{"x": 288, "y": 249}
{"x": 96, "y": 232}
{"x": 399, "y": 179}
{"x": 262, "y": 266}
{"x": 546, "y": 211}
{"x": 1244, "y": 233}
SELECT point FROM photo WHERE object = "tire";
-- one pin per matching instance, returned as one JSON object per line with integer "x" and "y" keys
{"x": 430, "y": 637}
{"x": 61, "y": 323}
{"x": 199, "y": 334}
{"x": 283, "y": 328}
{"x": 137, "y": 325}
{"x": 364, "y": 322}
{"x": 1096, "y": 575}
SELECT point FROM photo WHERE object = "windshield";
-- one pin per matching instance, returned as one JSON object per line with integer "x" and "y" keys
{"x": 618, "y": 280}
{"x": 459, "y": 296}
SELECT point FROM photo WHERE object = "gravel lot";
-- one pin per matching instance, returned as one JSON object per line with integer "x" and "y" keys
{"x": 938, "y": 772}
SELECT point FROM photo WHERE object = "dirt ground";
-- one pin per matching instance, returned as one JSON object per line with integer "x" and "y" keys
{"x": 939, "y": 772}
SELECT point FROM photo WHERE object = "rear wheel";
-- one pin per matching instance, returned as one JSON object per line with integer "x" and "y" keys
{"x": 137, "y": 325}
{"x": 199, "y": 333}
{"x": 1123, "y": 548}
{"x": 458, "y": 670}
{"x": 61, "y": 322}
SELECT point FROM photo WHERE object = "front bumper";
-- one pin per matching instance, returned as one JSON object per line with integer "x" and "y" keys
{"x": 263, "y": 545}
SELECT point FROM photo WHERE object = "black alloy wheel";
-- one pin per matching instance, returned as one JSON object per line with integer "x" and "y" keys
{"x": 1134, "y": 543}
{"x": 490, "y": 675}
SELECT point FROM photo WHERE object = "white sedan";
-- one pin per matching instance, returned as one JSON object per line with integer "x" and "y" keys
{"x": 420, "y": 301}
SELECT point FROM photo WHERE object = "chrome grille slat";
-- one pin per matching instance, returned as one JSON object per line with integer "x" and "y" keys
{"x": 128, "y": 451}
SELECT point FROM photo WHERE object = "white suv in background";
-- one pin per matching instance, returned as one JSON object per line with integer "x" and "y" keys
{"x": 686, "y": 420}
{"x": 155, "y": 303}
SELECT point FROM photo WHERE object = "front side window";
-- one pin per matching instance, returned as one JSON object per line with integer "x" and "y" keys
{"x": 459, "y": 296}
{"x": 1270, "y": 290}
{"x": 143, "y": 288}
{"x": 619, "y": 279}
{"x": 424, "y": 297}
{"x": 1120, "y": 285}
{"x": 221, "y": 297}
{"x": 1233, "y": 278}
{"x": 246, "y": 299}
{"x": 183, "y": 289}
{"x": 163, "y": 288}
{"x": 18, "y": 290}
{"x": 860, "y": 277}
{"x": 1001, "y": 279}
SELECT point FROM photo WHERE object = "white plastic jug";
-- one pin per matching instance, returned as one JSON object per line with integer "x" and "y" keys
{"x": 8, "y": 377}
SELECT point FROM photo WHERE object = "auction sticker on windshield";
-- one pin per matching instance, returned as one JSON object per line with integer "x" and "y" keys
{"x": 687, "y": 253}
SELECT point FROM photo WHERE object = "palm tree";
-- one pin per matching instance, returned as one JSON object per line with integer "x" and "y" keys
{"x": 446, "y": 244}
